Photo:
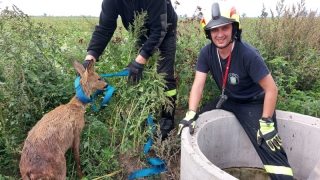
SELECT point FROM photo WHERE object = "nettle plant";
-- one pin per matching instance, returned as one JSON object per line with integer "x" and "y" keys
{"x": 121, "y": 127}
{"x": 289, "y": 43}
{"x": 131, "y": 104}
{"x": 31, "y": 82}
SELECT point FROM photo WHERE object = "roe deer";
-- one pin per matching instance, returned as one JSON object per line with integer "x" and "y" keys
{"x": 47, "y": 142}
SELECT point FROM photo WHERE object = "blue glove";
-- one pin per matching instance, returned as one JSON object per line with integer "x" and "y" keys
{"x": 188, "y": 121}
{"x": 268, "y": 133}
{"x": 135, "y": 74}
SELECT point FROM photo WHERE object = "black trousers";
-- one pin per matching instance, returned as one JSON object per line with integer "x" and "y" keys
{"x": 167, "y": 50}
{"x": 248, "y": 114}
{"x": 166, "y": 65}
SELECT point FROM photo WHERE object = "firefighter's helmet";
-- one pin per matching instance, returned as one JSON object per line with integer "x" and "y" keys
{"x": 221, "y": 14}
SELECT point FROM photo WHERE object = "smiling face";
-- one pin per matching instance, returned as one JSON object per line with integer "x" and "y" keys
{"x": 221, "y": 36}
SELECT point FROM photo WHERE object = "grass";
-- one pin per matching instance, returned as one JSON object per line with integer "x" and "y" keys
{"x": 38, "y": 76}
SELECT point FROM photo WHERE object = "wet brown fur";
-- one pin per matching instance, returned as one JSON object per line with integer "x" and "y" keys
{"x": 47, "y": 142}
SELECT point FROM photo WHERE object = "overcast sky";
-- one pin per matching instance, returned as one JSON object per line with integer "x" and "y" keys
{"x": 251, "y": 8}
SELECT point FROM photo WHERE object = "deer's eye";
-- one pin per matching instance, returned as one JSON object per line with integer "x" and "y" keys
{"x": 100, "y": 79}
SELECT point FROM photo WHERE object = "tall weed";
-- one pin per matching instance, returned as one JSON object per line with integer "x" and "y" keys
{"x": 34, "y": 78}
{"x": 289, "y": 41}
{"x": 38, "y": 76}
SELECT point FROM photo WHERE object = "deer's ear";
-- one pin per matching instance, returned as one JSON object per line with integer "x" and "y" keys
{"x": 90, "y": 67}
{"x": 79, "y": 67}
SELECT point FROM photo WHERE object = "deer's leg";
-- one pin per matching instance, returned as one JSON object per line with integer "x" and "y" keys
{"x": 76, "y": 144}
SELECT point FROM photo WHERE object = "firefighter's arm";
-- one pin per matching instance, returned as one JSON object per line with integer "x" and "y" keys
{"x": 194, "y": 99}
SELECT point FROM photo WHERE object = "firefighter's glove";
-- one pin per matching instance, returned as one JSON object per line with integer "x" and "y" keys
{"x": 135, "y": 74}
{"x": 85, "y": 65}
{"x": 188, "y": 121}
{"x": 268, "y": 133}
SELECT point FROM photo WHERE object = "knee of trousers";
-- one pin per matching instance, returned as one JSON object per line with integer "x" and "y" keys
{"x": 171, "y": 93}
{"x": 280, "y": 172}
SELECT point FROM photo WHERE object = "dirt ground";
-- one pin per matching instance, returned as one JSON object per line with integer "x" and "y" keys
{"x": 132, "y": 164}
{"x": 169, "y": 151}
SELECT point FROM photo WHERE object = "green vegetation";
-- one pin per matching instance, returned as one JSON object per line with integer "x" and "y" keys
{"x": 36, "y": 75}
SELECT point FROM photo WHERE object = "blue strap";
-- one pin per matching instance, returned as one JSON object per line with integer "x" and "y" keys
{"x": 121, "y": 73}
{"x": 80, "y": 93}
{"x": 109, "y": 91}
{"x": 158, "y": 164}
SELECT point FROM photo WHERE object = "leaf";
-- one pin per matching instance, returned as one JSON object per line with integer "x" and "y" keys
{"x": 86, "y": 144}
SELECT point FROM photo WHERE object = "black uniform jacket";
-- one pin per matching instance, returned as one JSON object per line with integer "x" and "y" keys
{"x": 162, "y": 18}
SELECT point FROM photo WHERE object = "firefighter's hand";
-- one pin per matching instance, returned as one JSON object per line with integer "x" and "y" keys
{"x": 135, "y": 74}
{"x": 85, "y": 64}
{"x": 268, "y": 133}
{"x": 187, "y": 121}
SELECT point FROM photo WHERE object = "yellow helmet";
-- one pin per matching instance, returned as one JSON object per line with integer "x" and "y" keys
{"x": 221, "y": 14}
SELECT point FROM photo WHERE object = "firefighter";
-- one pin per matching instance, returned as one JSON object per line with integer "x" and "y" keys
{"x": 161, "y": 28}
{"x": 247, "y": 88}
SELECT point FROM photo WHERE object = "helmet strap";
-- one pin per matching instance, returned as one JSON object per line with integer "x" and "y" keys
{"x": 234, "y": 31}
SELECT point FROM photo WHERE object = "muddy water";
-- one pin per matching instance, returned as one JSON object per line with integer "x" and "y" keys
{"x": 245, "y": 173}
